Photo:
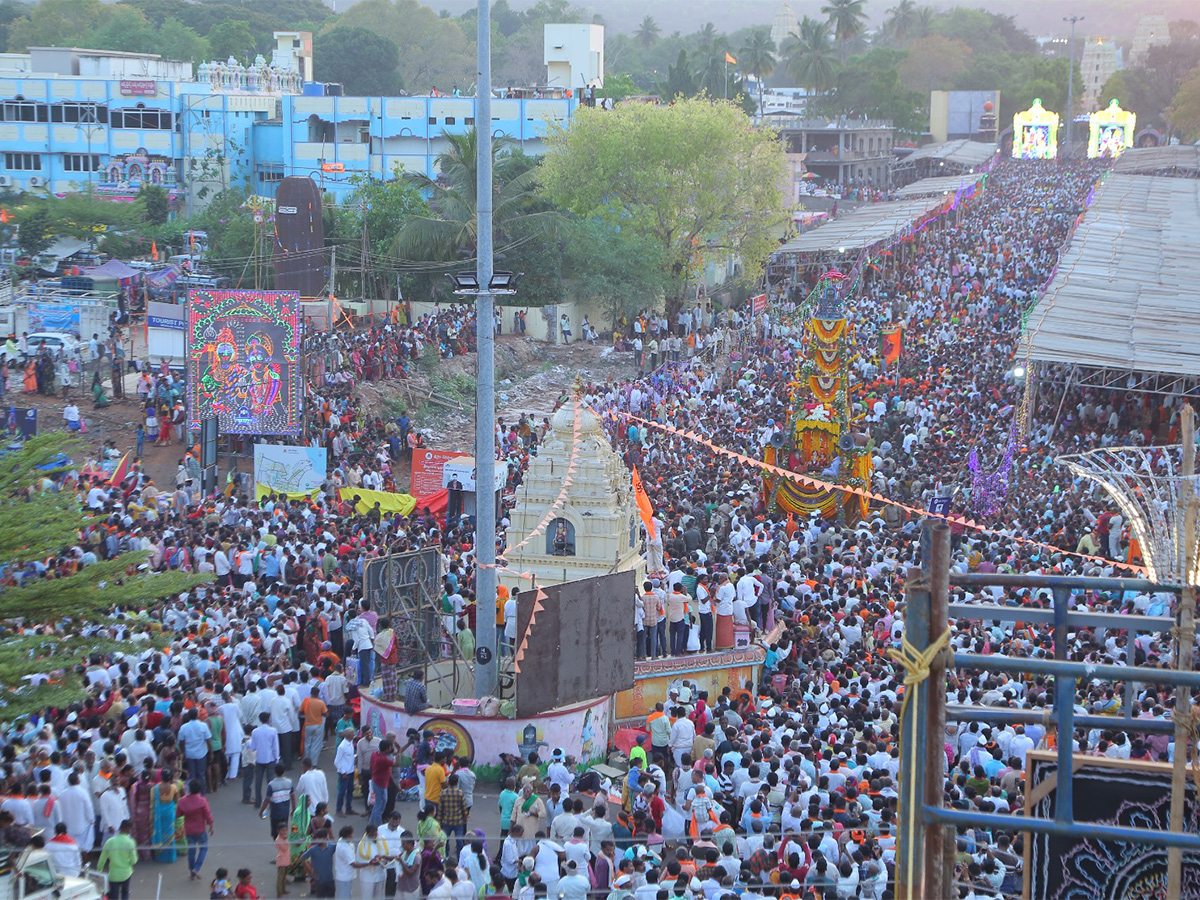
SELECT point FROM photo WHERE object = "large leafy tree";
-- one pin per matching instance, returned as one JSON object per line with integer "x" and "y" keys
{"x": 810, "y": 58}
{"x": 49, "y": 624}
{"x": 1184, "y": 111}
{"x": 704, "y": 181}
{"x": 232, "y": 38}
{"x": 620, "y": 268}
{"x": 361, "y": 60}
{"x": 437, "y": 52}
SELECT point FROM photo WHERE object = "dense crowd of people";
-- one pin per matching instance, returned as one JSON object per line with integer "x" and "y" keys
{"x": 787, "y": 788}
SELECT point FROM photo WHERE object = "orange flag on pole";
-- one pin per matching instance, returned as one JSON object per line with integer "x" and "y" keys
{"x": 154, "y": 249}
{"x": 643, "y": 504}
{"x": 729, "y": 59}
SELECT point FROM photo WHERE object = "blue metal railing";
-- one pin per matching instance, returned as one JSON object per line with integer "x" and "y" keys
{"x": 928, "y": 612}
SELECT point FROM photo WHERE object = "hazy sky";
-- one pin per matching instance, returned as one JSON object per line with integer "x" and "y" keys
{"x": 1106, "y": 18}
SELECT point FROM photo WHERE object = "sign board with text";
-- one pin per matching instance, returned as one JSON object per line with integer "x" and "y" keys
{"x": 131, "y": 87}
{"x": 427, "y": 468}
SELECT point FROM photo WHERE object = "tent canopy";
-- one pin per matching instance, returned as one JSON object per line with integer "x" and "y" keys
{"x": 114, "y": 268}
{"x": 1148, "y": 160}
{"x": 1126, "y": 295}
{"x": 964, "y": 153}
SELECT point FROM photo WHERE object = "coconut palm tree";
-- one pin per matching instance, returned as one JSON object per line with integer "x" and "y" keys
{"x": 901, "y": 18}
{"x": 758, "y": 56}
{"x": 706, "y": 37}
{"x": 847, "y": 18}
{"x": 647, "y": 33}
{"x": 810, "y": 57}
{"x": 448, "y": 234}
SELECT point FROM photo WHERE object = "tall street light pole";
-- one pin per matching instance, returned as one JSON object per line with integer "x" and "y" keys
{"x": 1071, "y": 81}
{"x": 485, "y": 393}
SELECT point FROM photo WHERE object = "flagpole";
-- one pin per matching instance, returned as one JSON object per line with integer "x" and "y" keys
{"x": 726, "y": 97}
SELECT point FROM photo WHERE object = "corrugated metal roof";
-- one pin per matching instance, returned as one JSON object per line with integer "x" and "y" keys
{"x": 1126, "y": 294}
{"x": 929, "y": 187}
{"x": 863, "y": 227}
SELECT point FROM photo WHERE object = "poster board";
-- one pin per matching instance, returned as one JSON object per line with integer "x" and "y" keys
{"x": 295, "y": 471}
{"x": 243, "y": 354}
{"x": 1107, "y": 792}
{"x": 427, "y": 467}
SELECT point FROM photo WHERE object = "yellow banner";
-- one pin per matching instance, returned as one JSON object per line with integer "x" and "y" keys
{"x": 403, "y": 504}
{"x": 265, "y": 490}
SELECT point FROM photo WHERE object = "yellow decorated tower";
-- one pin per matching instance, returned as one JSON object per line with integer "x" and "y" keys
{"x": 820, "y": 437}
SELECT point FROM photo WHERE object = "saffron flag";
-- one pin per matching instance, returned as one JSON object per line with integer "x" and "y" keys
{"x": 729, "y": 59}
{"x": 892, "y": 340}
{"x": 643, "y": 504}
{"x": 154, "y": 249}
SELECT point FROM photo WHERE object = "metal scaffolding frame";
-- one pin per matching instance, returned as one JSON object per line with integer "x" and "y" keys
{"x": 1119, "y": 379}
{"x": 926, "y": 822}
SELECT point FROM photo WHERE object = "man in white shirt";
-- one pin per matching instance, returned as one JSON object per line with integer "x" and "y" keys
{"x": 312, "y": 784}
{"x": 344, "y": 763}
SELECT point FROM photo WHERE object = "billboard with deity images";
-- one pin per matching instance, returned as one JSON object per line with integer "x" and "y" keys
{"x": 243, "y": 351}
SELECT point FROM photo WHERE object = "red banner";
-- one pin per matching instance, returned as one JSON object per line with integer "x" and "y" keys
{"x": 427, "y": 468}
{"x": 758, "y": 304}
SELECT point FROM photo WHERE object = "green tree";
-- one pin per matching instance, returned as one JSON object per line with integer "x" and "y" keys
{"x": 901, "y": 20}
{"x": 680, "y": 82}
{"x": 156, "y": 202}
{"x": 647, "y": 32}
{"x": 57, "y": 23}
{"x": 232, "y": 38}
{"x": 437, "y": 52}
{"x": 10, "y": 11}
{"x": 359, "y": 59}
{"x": 847, "y": 18}
{"x": 127, "y": 30}
{"x": 448, "y": 232}
{"x": 1184, "y": 112}
{"x": 178, "y": 41}
{"x": 870, "y": 86}
{"x": 33, "y": 230}
{"x": 620, "y": 268}
{"x": 933, "y": 63}
{"x": 34, "y": 525}
{"x": 618, "y": 86}
{"x": 758, "y": 57}
{"x": 810, "y": 57}
{"x": 386, "y": 207}
{"x": 706, "y": 180}
{"x": 85, "y": 216}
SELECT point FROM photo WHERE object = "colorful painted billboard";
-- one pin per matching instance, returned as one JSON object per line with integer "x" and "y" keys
{"x": 243, "y": 361}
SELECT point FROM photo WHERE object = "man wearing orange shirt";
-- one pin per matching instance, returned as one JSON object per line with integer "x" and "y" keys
{"x": 435, "y": 777}
{"x": 313, "y": 710}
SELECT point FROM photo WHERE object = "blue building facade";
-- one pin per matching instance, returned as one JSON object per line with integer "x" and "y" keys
{"x": 333, "y": 139}
{"x": 64, "y": 133}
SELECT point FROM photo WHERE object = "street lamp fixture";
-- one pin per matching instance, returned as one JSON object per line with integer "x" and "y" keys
{"x": 500, "y": 283}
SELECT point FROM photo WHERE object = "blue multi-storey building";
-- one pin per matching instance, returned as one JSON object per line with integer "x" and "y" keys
{"x": 72, "y": 119}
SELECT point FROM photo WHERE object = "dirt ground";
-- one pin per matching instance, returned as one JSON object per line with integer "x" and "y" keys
{"x": 530, "y": 378}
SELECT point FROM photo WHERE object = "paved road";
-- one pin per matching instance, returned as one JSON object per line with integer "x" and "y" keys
{"x": 241, "y": 839}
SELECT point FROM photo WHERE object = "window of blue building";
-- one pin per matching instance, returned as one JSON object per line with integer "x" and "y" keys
{"x": 23, "y": 162}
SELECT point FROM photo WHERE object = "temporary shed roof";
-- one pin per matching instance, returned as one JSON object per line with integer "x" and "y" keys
{"x": 930, "y": 187}
{"x": 1125, "y": 295}
{"x": 1155, "y": 159}
{"x": 863, "y": 227}
{"x": 959, "y": 153}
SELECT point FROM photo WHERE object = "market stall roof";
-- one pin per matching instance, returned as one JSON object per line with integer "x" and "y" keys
{"x": 929, "y": 187}
{"x": 1125, "y": 296}
{"x": 863, "y": 227}
{"x": 1148, "y": 160}
{"x": 114, "y": 268}
{"x": 967, "y": 154}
